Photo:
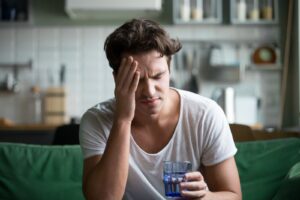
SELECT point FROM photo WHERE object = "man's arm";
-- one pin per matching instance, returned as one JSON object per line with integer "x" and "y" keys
{"x": 222, "y": 180}
{"x": 105, "y": 177}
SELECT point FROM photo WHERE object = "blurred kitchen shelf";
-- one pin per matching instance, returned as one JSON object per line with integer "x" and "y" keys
{"x": 211, "y": 12}
{"x": 4, "y": 24}
{"x": 225, "y": 66}
{"x": 17, "y": 65}
{"x": 275, "y": 67}
{"x": 15, "y": 13}
{"x": 253, "y": 22}
{"x": 270, "y": 11}
{"x": 192, "y": 21}
{"x": 4, "y": 92}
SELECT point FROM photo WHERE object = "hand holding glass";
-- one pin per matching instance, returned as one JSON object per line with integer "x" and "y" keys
{"x": 174, "y": 174}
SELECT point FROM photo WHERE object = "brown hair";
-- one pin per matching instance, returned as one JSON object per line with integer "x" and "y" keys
{"x": 138, "y": 36}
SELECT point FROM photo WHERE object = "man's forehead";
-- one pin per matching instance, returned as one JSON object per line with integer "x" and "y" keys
{"x": 150, "y": 71}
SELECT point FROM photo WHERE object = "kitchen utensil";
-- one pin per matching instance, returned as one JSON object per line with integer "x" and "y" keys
{"x": 55, "y": 105}
{"x": 191, "y": 82}
{"x": 246, "y": 110}
{"x": 225, "y": 97}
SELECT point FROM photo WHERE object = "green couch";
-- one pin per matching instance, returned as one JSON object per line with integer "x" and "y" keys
{"x": 268, "y": 170}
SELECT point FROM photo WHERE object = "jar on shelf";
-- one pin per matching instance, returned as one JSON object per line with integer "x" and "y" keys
{"x": 197, "y": 10}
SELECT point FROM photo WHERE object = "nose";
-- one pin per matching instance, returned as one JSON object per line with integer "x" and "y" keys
{"x": 149, "y": 88}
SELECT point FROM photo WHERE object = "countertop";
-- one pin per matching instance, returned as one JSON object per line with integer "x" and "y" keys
{"x": 28, "y": 127}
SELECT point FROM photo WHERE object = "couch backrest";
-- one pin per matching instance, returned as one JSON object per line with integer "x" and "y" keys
{"x": 264, "y": 165}
{"x": 40, "y": 172}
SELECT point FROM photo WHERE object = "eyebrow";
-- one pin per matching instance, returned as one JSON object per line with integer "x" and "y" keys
{"x": 158, "y": 73}
{"x": 155, "y": 75}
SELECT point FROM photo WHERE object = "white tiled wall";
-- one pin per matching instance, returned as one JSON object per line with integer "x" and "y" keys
{"x": 88, "y": 76}
{"x": 80, "y": 49}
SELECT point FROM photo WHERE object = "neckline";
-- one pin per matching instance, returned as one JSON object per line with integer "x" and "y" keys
{"x": 174, "y": 133}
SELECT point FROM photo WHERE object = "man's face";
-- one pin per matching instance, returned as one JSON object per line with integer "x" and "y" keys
{"x": 153, "y": 87}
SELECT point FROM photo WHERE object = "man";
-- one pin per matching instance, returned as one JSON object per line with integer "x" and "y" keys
{"x": 126, "y": 139}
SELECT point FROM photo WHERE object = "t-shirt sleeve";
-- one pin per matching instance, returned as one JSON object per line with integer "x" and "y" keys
{"x": 218, "y": 140}
{"x": 92, "y": 136}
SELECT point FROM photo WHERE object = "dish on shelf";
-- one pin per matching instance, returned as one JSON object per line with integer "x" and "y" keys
{"x": 264, "y": 55}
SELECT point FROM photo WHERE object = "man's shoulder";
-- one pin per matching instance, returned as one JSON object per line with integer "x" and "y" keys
{"x": 103, "y": 108}
{"x": 195, "y": 100}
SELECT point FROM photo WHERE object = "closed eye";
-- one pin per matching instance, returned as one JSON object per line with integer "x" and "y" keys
{"x": 159, "y": 75}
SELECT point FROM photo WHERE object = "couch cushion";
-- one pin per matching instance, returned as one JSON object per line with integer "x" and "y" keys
{"x": 263, "y": 165}
{"x": 289, "y": 188}
{"x": 40, "y": 172}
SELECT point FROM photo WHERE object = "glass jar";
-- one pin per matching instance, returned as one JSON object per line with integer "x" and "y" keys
{"x": 197, "y": 10}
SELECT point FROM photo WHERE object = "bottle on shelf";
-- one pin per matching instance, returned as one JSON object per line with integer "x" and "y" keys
{"x": 36, "y": 108}
{"x": 267, "y": 10}
{"x": 185, "y": 10}
{"x": 241, "y": 10}
{"x": 254, "y": 10}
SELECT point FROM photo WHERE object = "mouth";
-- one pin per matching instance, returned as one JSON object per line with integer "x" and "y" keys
{"x": 150, "y": 101}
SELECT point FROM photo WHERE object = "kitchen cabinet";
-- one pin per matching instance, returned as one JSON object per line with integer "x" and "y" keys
{"x": 254, "y": 11}
{"x": 14, "y": 12}
{"x": 197, "y": 11}
{"x": 240, "y": 12}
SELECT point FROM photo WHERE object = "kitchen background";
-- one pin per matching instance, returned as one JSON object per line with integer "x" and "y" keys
{"x": 50, "y": 50}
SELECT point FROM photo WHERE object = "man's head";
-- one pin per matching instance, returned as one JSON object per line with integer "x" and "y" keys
{"x": 138, "y": 36}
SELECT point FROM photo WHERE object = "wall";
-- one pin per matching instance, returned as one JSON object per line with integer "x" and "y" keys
{"x": 88, "y": 77}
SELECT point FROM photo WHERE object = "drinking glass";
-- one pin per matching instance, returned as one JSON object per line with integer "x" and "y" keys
{"x": 174, "y": 174}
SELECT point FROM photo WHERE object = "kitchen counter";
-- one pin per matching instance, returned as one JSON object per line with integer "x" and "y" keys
{"x": 28, "y": 133}
{"x": 28, "y": 127}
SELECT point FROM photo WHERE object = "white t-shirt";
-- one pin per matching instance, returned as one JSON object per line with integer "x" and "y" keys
{"x": 202, "y": 136}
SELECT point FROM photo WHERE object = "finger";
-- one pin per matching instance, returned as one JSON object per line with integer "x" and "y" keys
{"x": 135, "y": 82}
{"x": 130, "y": 76}
{"x": 122, "y": 74}
{"x": 121, "y": 68}
{"x": 193, "y": 194}
{"x": 192, "y": 186}
{"x": 193, "y": 176}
